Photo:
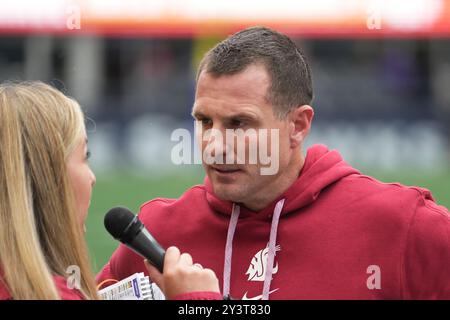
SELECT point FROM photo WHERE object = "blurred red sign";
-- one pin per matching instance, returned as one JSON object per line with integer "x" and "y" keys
{"x": 191, "y": 18}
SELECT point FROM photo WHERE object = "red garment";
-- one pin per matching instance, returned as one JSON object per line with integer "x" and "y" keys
{"x": 61, "y": 285}
{"x": 198, "y": 295}
{"x": 341, "y": 235}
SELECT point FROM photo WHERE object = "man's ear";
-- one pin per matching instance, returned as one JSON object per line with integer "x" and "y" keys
{"x": 300, "y": 123}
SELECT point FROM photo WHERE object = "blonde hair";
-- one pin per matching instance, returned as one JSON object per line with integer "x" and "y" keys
{"x": 40, "y": 232}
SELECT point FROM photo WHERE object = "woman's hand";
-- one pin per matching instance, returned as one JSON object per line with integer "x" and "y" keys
{"x": 181, "y": 275}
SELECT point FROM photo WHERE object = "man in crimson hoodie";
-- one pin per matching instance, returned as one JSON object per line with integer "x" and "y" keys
{"x": 316, "y": 228}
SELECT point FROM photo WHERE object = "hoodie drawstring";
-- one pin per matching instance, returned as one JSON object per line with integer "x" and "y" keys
{"x": 271, "y": 252}
{"x": 229, "y": 249}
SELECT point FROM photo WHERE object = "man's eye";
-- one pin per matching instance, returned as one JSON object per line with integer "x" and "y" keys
{"x": 206, "y": 122}
{"x": 88, "y": 155}
{"x": 237, "y": 123}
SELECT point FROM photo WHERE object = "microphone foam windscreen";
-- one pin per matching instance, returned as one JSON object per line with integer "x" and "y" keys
{"x": 117, "y": 220}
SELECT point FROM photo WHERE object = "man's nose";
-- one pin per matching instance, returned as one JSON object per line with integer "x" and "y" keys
{"x": 218, "y": 144}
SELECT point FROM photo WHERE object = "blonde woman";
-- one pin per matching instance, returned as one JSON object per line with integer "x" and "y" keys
{"x": 45, "y": 191}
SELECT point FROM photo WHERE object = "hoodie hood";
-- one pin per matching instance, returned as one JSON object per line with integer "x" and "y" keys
{"x": 322, "y": 168}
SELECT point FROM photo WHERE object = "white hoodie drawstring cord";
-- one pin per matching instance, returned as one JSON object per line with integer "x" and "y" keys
{"x": 271, "y": 252}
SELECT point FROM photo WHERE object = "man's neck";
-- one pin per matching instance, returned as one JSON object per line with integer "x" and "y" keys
{"x": 280, "y": 184}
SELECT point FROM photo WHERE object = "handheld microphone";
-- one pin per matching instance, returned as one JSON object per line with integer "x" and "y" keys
{"x": 124, "y": 226}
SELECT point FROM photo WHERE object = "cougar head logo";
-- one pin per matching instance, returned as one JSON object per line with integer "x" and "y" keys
{"x": 257, "y": 269}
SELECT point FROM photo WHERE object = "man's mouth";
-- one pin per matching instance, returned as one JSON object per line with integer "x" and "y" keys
{"x": 224, "y": 170}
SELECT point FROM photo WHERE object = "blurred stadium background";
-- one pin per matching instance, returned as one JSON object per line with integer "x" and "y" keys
{"x": 381, "y": 73}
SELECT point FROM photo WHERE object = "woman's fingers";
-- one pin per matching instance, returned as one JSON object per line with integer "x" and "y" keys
{"x": 181, "y": 275}
{"x": 185, "y": 259}
{"x": 171, "y": 258}
{"x": 154, "y": 274}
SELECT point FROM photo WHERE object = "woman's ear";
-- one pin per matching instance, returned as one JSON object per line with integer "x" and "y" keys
{"x": 300, "y": 123}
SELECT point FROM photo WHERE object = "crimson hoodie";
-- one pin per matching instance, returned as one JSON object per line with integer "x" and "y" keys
{"x": 61, "y": 285}
{"x": 339, "y": 235}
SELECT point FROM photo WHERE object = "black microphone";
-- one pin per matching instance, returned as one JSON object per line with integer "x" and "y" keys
{"x": 124, "y": 226}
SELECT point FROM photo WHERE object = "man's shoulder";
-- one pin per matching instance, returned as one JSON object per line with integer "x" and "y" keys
{"x": 369, "y": 184}
{"x": 194, "y": 196}
{"x": 385, "y": 198}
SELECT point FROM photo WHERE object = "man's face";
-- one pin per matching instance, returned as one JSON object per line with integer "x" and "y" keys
{"x": 232, "y": 102}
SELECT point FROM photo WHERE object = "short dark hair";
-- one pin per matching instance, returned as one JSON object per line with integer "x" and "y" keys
{"x": 291, "y": 84}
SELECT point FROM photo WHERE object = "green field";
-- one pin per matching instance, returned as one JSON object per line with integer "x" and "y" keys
{"x": 131, "y": 191}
